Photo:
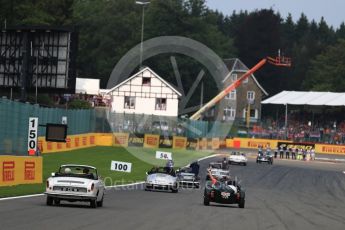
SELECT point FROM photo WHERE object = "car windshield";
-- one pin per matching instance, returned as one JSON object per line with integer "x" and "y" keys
{"x": 77, "y": 171}
{"x": 216, "y": 165}
{"x": 163, "y": 170}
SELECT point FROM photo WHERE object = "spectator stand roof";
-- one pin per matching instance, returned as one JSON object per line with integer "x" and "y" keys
{"x": 307, "y": 98}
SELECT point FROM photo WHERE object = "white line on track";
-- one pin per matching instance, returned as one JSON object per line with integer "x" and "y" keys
{"x": 114, "y": 186}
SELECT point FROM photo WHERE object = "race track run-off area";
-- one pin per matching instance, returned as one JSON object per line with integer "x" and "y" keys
{"x": 285, "y": 195}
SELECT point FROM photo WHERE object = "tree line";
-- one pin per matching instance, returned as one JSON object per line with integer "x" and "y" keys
{"x": 109, "y": 28}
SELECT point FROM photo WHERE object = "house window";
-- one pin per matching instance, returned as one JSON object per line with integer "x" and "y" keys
{"x": 229, "y": 113}
{"x": 253, "y": 113}
{"x": 129, "y": 102}
{"x": 146, "y": 81}
{"x": 231, "y": 95}
{"x": 233, "y": 77}
{"x": 161, "y": 103}
{"x": 250, "y": 95}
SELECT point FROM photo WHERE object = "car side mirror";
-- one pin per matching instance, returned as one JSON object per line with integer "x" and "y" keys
{"x": 53, "y": 174}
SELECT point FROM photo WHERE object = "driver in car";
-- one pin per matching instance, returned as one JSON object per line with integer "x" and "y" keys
{"x": 225, "y": 179}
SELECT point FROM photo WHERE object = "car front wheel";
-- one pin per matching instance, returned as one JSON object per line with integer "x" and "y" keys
{"x": 241, "y": 203}
{"x": 206, "y": 200}
{"x": 100, "y": 203}
{"x": 93, "y": 203}
{"x": 49, "y": 201}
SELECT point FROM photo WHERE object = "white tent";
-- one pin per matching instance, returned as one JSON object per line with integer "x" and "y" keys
{"x": 307, "y": 98}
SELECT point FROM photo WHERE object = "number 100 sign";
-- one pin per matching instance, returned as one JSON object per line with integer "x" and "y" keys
{"x": 121, "y": 166}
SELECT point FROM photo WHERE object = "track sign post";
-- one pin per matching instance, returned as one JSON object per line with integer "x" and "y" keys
{"x": 121, "y": 166}
{"x": 163, "y": 155}
{"x": 32, "y": 136}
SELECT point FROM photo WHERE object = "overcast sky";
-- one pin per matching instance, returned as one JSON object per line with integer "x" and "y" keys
{"x": 333, "y": 11}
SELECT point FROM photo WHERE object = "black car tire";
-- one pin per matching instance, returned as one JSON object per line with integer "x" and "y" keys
{"x": 100, "y": 203}
{"x": 241, "y": 203}
{"x": 206, "y": 200}
{"x": 93, "y": 203}
{"x": 57, "y": 201}
{"x": 49, "y": 201}
{"x": 174, "y": 190}
{"x": 244, "y": 164}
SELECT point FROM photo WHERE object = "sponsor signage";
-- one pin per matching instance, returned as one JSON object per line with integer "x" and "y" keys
{"x": 179, "y": 142}
{"x": 121, "y": 166}
{"x": 215, "y": 143}
{"x": 192, "y": 143}
{"x": 136, "y": 140}
{"x": 16, "y": 170}
{"x": 151, "y": 141}
{"x": 330, "y": 149}
{"x": 165, "y": 142}
{"x": 121, "y": 139}
{"x": 293, "y": 145}
{"x": 163, "y": 155}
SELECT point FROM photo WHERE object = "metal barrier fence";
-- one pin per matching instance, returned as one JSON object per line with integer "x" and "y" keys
{"x": 14, "y": 118}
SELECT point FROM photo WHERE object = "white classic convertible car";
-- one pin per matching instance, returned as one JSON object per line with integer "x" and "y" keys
{"x": 75, "y": 183}
{"x": 238, "y": 158}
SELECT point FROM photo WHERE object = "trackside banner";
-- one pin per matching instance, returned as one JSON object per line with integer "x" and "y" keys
{"x": 192, "y": 143}
{"x": 72, "y": 142}
{"x": 330, "y": 149}
{"x": 16, "y": 170}
{"x": 151, "y": 141}
{"x": 179, "y": 142}
{"x": 294, "y": 145}
{"x": 165, "y": 141}
{"x": 121, "y": 139}
{"x": 136, "y": 140}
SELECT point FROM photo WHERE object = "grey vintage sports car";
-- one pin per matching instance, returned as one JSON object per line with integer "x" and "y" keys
{"x": 161, "y": 178}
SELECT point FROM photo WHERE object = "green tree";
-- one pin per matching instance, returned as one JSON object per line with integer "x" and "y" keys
{"x": 327, "y": 70}
{"x": 79, "y": 104}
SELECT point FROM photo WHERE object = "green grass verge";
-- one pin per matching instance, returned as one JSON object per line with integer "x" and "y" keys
{"x": 142, "y": 159}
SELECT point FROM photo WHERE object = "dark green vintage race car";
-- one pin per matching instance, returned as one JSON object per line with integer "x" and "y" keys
{"x": 224, "y": 193}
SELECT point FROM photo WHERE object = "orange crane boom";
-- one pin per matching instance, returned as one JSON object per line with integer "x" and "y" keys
{"x": 278, "y": 61}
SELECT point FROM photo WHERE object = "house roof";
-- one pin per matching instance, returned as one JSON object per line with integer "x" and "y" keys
{"x": 152, "y": 72}
{"x": 236, "y": 65}
{"x": 307, "y": 98}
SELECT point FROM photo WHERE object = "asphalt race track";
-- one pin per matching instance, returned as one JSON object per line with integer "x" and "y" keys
{"x": 285, "y": 195}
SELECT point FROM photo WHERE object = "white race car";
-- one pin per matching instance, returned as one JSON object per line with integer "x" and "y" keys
{"x": 238, "y": 158}
{"x": 75, "y": 183}
{"x": 161, "y": 178}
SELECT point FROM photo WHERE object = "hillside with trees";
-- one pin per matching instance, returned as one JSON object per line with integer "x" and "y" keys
{"x": 109, "y": 28}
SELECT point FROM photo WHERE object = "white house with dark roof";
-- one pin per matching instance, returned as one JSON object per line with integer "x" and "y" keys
{"x": 145, "y": 93}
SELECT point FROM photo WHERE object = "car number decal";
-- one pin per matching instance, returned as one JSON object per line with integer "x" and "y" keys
{"x": 225, "y": 195}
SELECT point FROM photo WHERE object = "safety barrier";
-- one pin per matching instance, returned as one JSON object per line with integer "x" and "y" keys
{"x": 16, "y": 170}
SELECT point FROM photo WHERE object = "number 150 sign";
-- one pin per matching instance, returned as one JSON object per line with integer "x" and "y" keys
{"x": 32, "y": 135}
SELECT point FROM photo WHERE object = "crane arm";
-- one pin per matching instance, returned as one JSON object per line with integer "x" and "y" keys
{"x": 278, "y": 61}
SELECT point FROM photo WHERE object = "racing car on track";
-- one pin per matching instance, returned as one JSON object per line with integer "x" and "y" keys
{"x": 187, "y": 177}
{"x": 238, "y": 158}
{"x": 75, "y": 183}
{"x": 224, "y": 192}
{"x": 266, "y": 157}
{"x": 161, "y": 178}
